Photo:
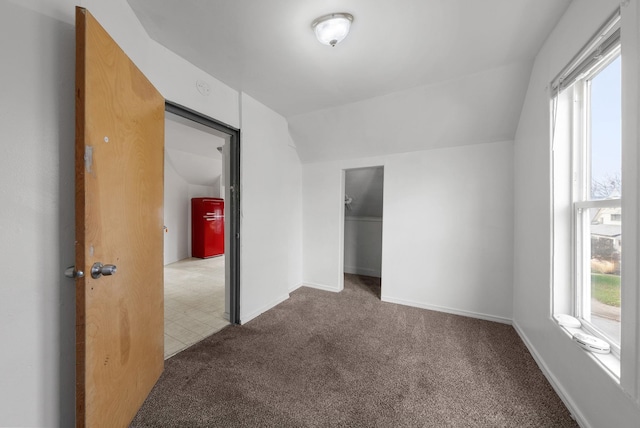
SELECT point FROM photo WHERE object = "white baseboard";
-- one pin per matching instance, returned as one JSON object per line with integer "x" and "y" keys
{"x": 362, "y": 271}
{"x": 248, "y": 317}
{"x": 321, "y": 287}
{"x": 555, "y": 384}
{"x": 464, "y": 313}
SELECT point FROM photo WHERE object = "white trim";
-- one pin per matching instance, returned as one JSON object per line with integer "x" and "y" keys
{"x": 437, "y": 308}
{"x": 248, "y": 317}
{"x": 555, "y": 384}
{"x": 630, "y": 360}
{"x": 599, "y": 203}
{"x": 341, "y": 224}
{"x": 321, "y": 287}
{"x": 579, "y": 63}
{"x": 363, "y": 271}
{"x": 610, "y": 362}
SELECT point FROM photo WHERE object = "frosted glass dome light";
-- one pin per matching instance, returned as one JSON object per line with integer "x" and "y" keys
{"x": 333, "y": 28}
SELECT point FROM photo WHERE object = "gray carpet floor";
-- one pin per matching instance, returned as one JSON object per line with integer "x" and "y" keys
{"x": 346, "y": 359}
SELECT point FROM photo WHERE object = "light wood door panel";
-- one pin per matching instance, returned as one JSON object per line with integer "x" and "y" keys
{"x": 119, "y": 220}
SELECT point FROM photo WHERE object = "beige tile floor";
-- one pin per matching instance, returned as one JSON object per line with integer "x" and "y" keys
{"x": 193, "y": 302}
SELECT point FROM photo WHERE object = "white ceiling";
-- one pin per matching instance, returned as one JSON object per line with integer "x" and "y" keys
{"x": 268, "y": 50}
{"x": 191, "y": 149}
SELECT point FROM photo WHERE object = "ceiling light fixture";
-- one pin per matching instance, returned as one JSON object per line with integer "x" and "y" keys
{"x": 333, "y": 28}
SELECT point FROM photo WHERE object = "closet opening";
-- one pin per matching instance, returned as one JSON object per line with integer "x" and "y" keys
{"x": 363, "y": 219}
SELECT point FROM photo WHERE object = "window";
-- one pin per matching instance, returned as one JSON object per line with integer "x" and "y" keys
{"x": 597, "y": 199}
{"x": 587, "y": 183}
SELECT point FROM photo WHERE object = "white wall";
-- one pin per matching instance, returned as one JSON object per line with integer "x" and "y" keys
{"x": 592, "y": 395}
{"x": 176, "y": 215}
{"x": 198, "y": 191}
{"x": 447, "y": 231}
{"x": 37, "y": 304}
{"x": 271, "y": 223}
{"x": 177, "y": 212}
{"x": 363, "y": 245}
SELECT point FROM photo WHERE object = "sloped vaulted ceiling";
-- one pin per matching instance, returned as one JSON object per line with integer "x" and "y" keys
{"x": 191, "y": 150}
{"x": 412, "y": 75}
{"x": 363, "y": 188}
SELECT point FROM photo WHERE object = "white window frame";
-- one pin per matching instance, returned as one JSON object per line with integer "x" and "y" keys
{"x": 582, "y": 202}
{"x": 572, "y": 286}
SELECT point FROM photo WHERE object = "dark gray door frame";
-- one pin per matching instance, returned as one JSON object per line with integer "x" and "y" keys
{"x": 233, "y": 253}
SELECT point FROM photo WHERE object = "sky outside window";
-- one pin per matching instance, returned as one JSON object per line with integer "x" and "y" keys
{"x": 606, "y": 125}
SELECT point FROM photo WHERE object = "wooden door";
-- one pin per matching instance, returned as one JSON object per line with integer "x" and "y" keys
{"x": 119, "y": 221}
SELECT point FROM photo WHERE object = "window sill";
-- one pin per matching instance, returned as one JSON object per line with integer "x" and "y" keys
{"x": 609, "y": 362}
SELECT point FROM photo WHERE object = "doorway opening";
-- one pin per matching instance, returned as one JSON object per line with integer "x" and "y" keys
{"x": 201, "y": 284}
{"x": 363, "y": 209}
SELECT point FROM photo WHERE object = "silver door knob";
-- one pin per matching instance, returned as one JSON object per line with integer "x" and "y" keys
{"x": 98, "y": 269}
{"x": 71, "y": 272}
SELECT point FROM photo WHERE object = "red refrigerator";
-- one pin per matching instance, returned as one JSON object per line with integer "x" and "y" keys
{"x": 207, "y": 227}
